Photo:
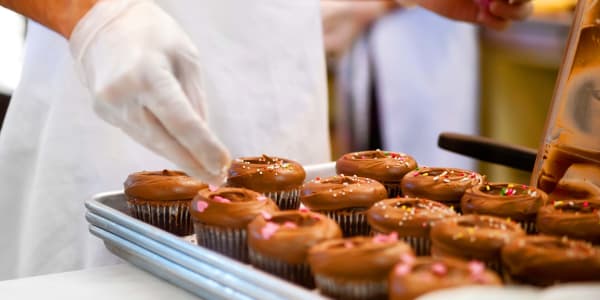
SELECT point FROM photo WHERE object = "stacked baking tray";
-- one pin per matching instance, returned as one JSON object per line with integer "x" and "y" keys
{"x": 202, "y": 272}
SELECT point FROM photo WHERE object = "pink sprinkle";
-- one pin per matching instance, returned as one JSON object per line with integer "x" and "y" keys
{"x": 221, "y": 199}
{"x": 290, "y": 225}
{"x": 476, "y": 268}
{"x": 586, "y": 204}
{"x": 201, "y": 206}
{"x": 439, "y": 269}
{"x": 269, "y": 229}
{"x": 382, "y": 238}
{"x": 261, "y": 198}
{"x": 416, "y": 173}
{"x": 317, "y": 178}
{"x": 303, "y": 208}
{"x": 267, "y": 216}
{"x": 402, "y": 269}
{"x": 348, "y": 244}
{"x": 407, "y": 259}
{"x": 212, "y": 188}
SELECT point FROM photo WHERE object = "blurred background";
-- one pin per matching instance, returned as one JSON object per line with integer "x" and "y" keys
{"x": 398, "y": 76}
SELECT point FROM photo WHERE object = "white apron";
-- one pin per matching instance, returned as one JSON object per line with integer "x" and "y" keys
{"x": 426, "y": 77}
{"x": 266, "y": 93}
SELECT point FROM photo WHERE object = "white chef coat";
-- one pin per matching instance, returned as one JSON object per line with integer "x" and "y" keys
{"x": 266, "y": 93}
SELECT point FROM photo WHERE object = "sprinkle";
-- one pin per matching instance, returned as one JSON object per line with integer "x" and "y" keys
{"x": 439, "y": 269}
{"x": 407, "y": 259}
{"x": 586, "y": 204}
{"x": 476, "y": 267}
{"x": 382, "y": 238}
{"x": 221, "y": 199}
{"x": 458, "y": 236}
{"x": 416, "y": 173}
{"x": 503, "y": 191}
{"x": 303, "y": 208}
{"x": 425, "y": 174}
{"x": 266, "y": 215}
{"x": 402, "y": 269}
{"x": 487, "y": 187}
{"x": 290, "y": 225}
{"x": 348, "y": 244}
{"x": 317, "y": 178}
{"x": 261, "y": 198}
{"x": 557, "y": 203}
{"x": 201, "y": 206}
{"x": 212, "y": 188}
{"x": 268, "y": 230}
{"x": 510, "y": 185}
{"x": 446, "y": 180}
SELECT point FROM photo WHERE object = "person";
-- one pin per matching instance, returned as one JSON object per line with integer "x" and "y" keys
{"x": 196, "y": 82}
{"x": 401, "y": 70}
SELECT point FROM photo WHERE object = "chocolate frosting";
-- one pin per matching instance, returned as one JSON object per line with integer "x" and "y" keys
{"x": 357, "y": 257}
{"x": 427, "y": 274}
{"x": 383, "y": 166}
{"x": 508, "y": 200}
{"x": 162, "y": 185}
{"x": 287, "y": 243}
{"x": 578, "y": 219}
{"x": 338, "y": 192}
{"x": 265, "y": 174}
{"x": 439, "y": 184}
{"x": 210, "y": 207}
{"x": 407, "y": 216}
{"x": 472, "y": 236}
{"x": 546, "y": 260}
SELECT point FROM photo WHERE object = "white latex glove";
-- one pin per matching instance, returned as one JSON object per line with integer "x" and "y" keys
{"x": 145, "y": 77}
{"x": 344, "y": 21}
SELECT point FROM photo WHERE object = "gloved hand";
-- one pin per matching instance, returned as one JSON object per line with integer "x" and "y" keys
{"x": 145, "y": 78}
{"x": 495, "y": 14}
{"x": 344, "y": 21}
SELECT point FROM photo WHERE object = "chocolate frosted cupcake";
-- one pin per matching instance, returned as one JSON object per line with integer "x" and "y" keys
{"x": 445, "y": 185}
{"x": 278, "y": 178}
{"x": 547, "y": 260}
{"x": 384, "y": 166}
{"x": 518, "y": 202}
{"x": 279, "y": 243}
{"x": 162, "y": 198}
{"x": 579, "y": 219}
{"x": 357, "y": 267}
{"x": 474, "y": 237}
{"x": 411, "y": 218}
{"x": 221, "y": 215}
{"x": 344, "y": 199}
{"x": 412, "y": 279}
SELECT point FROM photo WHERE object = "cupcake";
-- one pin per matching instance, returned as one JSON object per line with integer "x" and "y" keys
{"x": 357, "y": 267}
{"x": 546, "y": 260}
{"x": 518, "y": 202}
{"x": 411, "y": 218}
{"x": 344, "y": 199}
{"x": 474, "y": 237}
{"x": 278, "y": 178}
{"x": 220, "y": 217}
{"x": 278, "y": 243}
{"x": 412, "y": 279}
{"x": 384, "y": 166}
{"x": 445, "y": 185}
{"x": 579, "y": 219}
{"x": 162, "y": 199}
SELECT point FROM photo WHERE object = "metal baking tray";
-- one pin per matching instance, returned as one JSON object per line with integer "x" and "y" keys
{"x": 200, "y": 271}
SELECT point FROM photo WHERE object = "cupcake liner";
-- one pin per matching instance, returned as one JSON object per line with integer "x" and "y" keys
{"x": 529, "y": 226}
{"x": 352, "y": 222}
{"x": 174, "y": 217}
{"x": 393, "y": 190}
{"x": 285, "y": 200}
{"x": 421, "y": 245}
{"x": 231, "y": 242}
{"x": 352, "y": 289}
{"x": 495, "y": 265}
{"x": 297, "y": 273}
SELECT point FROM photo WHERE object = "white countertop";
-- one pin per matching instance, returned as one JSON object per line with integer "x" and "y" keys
{"x": 122, "y": 281}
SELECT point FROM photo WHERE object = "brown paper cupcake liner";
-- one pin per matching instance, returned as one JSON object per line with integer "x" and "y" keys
{"x": 529, "y": 227}
{"x": 231, "y": 242}
{"x": 353, "y": 222}
{"x": 393, "y": 189}
{"x": 174, "y": 218}
{"x": 421, "y": 245}
{"x": 495, "y": 265}
{"x": 351, "y": 289}
{"x": 285, "y": 199}
{"x": 297, "y": 273}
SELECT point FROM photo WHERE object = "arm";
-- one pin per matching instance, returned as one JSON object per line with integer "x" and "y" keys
{"x": 58, "y": 15}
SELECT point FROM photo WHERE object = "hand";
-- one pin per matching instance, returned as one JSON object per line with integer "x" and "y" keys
{"x": 144, "y": 75}
{"x": 344, "y": 21}
{"x": 495, "y": 14}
